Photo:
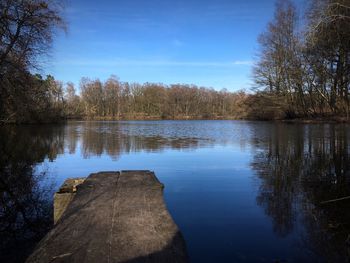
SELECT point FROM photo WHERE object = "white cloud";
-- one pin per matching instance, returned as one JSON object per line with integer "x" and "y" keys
{"x": 154, "y": 63}
{"x": 243, "y": 62}
{"x": 177, "y": 43}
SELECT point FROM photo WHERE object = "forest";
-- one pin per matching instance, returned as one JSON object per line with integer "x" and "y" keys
{"x": 302, "y": 70}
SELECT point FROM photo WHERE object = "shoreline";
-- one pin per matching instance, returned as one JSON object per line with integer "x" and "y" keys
{"x": 296, "y": 120}
{"x": 318, "y": 120}
{"x": 334, "y": 120}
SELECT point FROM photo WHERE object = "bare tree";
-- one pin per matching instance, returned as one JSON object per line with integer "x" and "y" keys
{"x": 328, "y": 52}
{"x": 26, "y": 31}
{"x": 112, "y": 93}
{"x": 278, "y": 67}
{"x": 72, "y": 101}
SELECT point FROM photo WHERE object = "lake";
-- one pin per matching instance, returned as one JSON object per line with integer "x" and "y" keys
{"x": 239, "y": 191}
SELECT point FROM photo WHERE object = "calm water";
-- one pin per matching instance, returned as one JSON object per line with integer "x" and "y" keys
{"x": 239, "y": 191}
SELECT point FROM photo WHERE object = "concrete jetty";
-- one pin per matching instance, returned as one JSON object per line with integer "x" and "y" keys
{"x": 112, "y": 217}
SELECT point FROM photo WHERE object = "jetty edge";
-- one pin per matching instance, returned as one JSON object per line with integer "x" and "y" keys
{"x": 113, "y": 217}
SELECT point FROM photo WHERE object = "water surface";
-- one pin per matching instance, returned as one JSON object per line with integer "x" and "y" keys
{"x": 239, "y": 191}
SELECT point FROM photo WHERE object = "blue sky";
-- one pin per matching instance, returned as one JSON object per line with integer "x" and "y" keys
{"x": 202, "y": 42}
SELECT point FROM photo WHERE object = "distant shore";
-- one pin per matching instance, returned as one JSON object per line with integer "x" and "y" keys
{"x": 318, "y": 120}
{"x": 157, "y": 118}
{"x": 184, "y": 118}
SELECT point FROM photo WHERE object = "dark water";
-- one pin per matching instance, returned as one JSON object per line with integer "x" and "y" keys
{"x": 239, "y": 191}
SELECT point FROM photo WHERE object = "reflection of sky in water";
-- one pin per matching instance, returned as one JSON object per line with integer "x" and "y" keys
{"x": 156, "y": 145}
{"x": 234, "y": 188}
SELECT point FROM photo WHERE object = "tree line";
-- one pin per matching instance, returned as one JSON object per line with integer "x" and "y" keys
{"x": 113, "y": 99}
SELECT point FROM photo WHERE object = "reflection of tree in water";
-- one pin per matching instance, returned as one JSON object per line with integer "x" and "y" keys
{"x": 26, "y": 195}
{"x": 300, "y": 167}
{"x": 104, "y": 138}
{"x": 25, "y": 206}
